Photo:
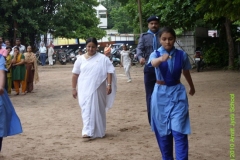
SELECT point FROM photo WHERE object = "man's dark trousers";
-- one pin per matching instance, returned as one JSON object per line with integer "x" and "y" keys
{"x": 149, "y": 81}
{"x": 1, "y": 138}
{"x": 6, "y": 82}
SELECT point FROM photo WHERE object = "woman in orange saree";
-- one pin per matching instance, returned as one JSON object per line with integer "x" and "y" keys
{"x": 18, "y": 71}
{"x": 31, "y": 69}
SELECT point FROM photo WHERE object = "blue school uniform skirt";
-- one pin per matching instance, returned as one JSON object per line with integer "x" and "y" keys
{"x": 169, "y": 109}
{"x": 9, "y": 122}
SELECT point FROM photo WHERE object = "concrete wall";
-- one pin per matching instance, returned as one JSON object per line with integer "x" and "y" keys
{"x": 103, "y": 23}
{"x": 186, "y": 42}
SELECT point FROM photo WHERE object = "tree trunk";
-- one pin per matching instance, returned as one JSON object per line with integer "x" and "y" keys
{"x": 15, "y": 32}
{"x": 32, "y": 42}
{"x": 230, "y": 43}
{"x": 45, "y": 39}
{"x": 140, "y": 15}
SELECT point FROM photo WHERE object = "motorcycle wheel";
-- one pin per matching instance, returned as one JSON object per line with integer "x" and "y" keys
{"x": 115, "y": 64}
{"x": 202, "y": 65}
{"x": 198, "y": 66}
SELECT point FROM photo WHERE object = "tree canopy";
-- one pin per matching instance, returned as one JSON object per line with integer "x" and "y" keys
{"x": 226, "y": 12}
{"x": 63, "y": 18}
{"x": 184, "y": 15}
{"x": 174, "y": 13}
{"x": 77, "y": 18}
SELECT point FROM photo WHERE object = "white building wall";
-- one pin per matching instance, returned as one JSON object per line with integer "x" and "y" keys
{"x": 186, "y": 42}
{"x": 102, "y": 15}
{"x": 103, "y": 23}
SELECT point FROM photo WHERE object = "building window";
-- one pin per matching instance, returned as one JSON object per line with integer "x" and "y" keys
{"x": 102, "y": 16}
{"x": 102, "y": 12}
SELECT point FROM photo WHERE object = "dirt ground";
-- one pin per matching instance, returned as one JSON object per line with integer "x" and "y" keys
{"x": 52, "y": 122}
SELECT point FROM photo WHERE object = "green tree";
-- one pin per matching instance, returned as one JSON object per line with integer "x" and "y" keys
{"x": 174, "y": 13}
{"x": 76, "y": 19}
{"x": 188, "y": 14}
{"x": 121, "y": 20}
{"x": 110, "y": 5}
{"x": 223, "y": 9}
{"x": 63, "y": 18}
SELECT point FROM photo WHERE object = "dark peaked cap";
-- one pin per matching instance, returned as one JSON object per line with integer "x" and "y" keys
{"x": 153, "y": 18}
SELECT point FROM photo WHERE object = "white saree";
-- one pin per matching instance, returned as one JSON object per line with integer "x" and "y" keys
{"x": 92, "y": 94}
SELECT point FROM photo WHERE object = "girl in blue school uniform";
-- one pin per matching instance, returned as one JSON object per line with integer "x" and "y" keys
{"x": 169, "y": 102}
{"x": 9, "y": 121}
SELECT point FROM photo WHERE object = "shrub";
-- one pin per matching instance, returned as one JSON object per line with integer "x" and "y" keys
{"x": 216, "y": 55}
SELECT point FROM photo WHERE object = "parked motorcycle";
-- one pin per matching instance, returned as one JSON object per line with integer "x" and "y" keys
{"x": 68, "y": 53}
{"x": 62, "y": 57}
{"x": 199, "y": 61}
{"x": 73, "y": 57}
{"x": 133, "y": 53}
{"x": 54, "y": 56}
{"x": 84, "y": 50}
{"x": 115, "y": 58}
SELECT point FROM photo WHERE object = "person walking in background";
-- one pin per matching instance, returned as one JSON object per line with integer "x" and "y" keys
{"x": 43, "y": 52}
{"x": 126, "y": 61}
{"x": 9, "y": 121}
{"x": 18, "y": 71}
{"x": 22, "y": 48}
{"x": 9, "y": 70}
{"x": 50, "y": 54}
{"x": 31, "y": 69}
{"x": 169, "y": 103}
{"x": 148, "y": 42}
{"x": 93, "y": 74}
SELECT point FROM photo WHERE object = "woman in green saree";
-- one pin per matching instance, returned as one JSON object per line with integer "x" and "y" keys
{"x": 18, "y": 71}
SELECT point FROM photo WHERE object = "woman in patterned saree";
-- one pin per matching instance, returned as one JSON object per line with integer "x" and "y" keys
{"x": 18, "y": 71}
{"x": 31, "y": 69}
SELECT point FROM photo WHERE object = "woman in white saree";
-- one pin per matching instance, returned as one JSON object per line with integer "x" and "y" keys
{"x": 92, "y": 74}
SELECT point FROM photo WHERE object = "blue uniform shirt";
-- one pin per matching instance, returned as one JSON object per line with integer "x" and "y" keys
{"x": 169, "y": 104}
{"x": 145, "y": 45}
{"x": 186, "y": 62}
{"x": 2, "y": 63}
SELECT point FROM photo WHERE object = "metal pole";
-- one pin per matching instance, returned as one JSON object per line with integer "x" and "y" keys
{"x": 140, "y": 15}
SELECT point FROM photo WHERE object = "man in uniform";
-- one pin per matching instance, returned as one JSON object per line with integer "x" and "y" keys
{"x": 148, "y": 42}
